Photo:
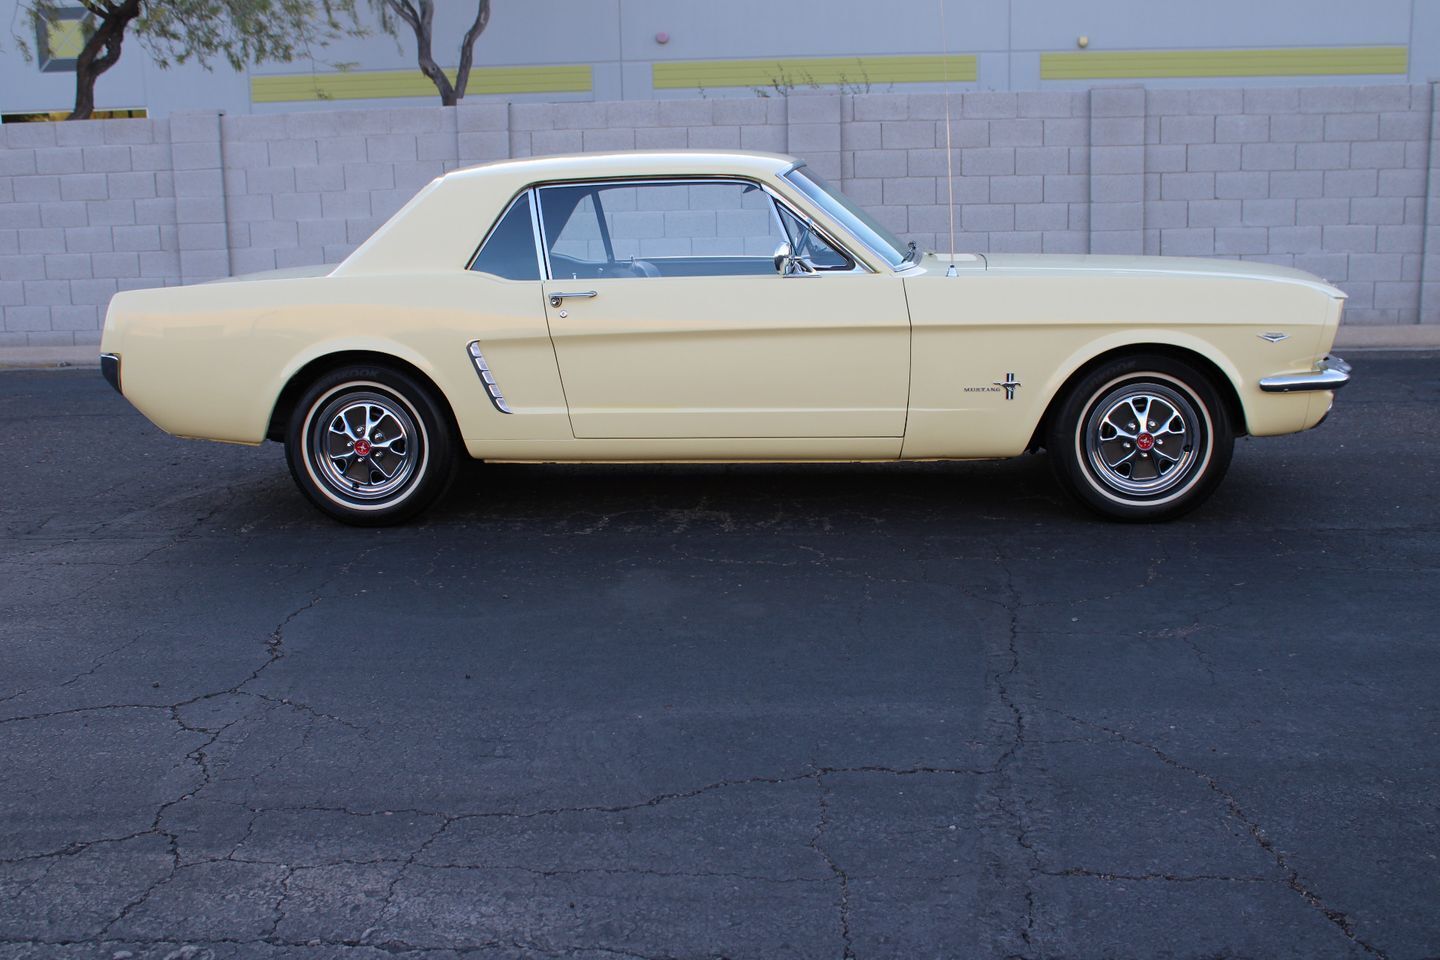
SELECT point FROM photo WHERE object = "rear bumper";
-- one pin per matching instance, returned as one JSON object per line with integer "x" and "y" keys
{"x": 110, "y": 370}
{"x": 1332, "y": 373}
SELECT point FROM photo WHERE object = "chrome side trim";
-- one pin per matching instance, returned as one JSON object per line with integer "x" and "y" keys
{"x": 1332, "y": 373}
{"x": 492, "y": 389}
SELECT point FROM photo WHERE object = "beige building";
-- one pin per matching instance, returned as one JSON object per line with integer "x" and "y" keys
{"x": 643, "y": 49}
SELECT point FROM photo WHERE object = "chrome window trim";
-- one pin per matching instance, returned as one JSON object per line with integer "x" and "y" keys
{"x": 527, "y": 194}
{"x": 902, "y": 266}
{"x": 537, "y": 205}
{"x": 540, "y": 257}
{"x": 857, "y": 264}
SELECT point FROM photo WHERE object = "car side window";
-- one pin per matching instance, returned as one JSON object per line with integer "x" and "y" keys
{"x": 509, "y": 251}
{"x": 660, "y": 228}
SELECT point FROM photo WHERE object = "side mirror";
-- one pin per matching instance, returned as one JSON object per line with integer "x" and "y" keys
{"x": 789, "y": 265}
{"x": 782, "y": 257}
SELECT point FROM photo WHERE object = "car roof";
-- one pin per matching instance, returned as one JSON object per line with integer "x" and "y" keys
{"x": 446, "y": 220}
{"x": 585, "y": 166}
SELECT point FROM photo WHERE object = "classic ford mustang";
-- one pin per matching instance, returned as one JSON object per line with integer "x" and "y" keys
{"x": 695, "y": 306}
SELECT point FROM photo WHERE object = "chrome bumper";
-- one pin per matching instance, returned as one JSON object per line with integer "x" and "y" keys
{"x": 1332, "y": 373}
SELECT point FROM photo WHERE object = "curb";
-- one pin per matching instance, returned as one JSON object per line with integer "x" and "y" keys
{"x": 1419, "y": 336}
{"x": 32, "y": 358}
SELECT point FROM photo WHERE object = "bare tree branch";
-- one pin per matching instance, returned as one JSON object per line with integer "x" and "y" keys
{"x": 176, "y": 31}
{"x": 422, "y": 23}
{"x": 108, "y": 36}
{"x": 405, "y": 12}
{"x": 419, "y": 15}
{"x": 467, "y": 47}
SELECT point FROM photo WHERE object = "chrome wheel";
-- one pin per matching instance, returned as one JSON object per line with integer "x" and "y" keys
{"x": 371, "y": 445}
{"x": 1141, "y": 439}
{"x": 365, "y": 445}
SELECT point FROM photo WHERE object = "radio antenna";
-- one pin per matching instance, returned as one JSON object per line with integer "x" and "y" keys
{"x": 949, "y": 156}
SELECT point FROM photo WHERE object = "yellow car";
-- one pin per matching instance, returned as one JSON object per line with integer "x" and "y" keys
{"x": 700, "y": 306}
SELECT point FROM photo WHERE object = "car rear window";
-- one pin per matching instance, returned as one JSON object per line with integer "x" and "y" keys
{"x": 509, "y": 252}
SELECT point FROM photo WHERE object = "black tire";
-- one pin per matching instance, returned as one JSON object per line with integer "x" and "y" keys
{"x": 351, "y": 409}
{"x": 1120, "y": 470}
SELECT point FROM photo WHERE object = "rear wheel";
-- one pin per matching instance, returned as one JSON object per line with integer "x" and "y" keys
{"x": 370, "y": 446}
{"x": 1141, "y": 438}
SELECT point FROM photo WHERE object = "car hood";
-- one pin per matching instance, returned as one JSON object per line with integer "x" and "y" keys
{"x": 1060, "y": 264}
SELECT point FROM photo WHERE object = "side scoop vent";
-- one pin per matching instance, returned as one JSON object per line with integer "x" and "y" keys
{"x": 492, "y": 389}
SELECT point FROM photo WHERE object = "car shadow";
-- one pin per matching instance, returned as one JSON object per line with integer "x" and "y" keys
{"x": 756, "y": 496}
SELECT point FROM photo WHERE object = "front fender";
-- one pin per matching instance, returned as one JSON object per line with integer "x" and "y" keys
{"x": 973, "y": 332}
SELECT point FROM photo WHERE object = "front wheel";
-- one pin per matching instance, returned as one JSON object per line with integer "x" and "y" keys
{"x": 370, "y": 446}
{"x": 1141, "y": 438}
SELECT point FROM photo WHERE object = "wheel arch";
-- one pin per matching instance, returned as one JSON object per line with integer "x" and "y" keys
{"x": 1223, "y": 382}
{"x": 317, "y": 367}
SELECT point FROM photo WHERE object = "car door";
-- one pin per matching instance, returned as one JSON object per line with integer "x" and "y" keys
{"x": 670, "y": 320}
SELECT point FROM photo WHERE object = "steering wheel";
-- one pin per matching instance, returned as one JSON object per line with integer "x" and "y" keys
{"x": 643, "y": 268}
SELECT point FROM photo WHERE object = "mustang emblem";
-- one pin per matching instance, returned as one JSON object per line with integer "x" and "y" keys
{"x": 1009, "y": 383}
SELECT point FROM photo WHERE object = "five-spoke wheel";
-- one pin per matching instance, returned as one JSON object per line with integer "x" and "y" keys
{"x": 365, "y": 448}
{"x": 1141, "y": 438}
{"x": 370, "y": 445}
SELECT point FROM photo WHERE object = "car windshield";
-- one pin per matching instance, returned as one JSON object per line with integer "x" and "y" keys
{"x": 865, "y": 227}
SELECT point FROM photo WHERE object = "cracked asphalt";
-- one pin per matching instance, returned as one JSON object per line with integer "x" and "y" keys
{"x": 912, "y": 711}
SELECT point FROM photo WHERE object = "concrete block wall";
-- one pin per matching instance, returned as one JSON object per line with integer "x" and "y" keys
{"x": 1333, "y": 180}
{"x": 1021, "y": 165}
{"x": 304, "y": 189}
{"x": 1340, "y": 181}
{"x": 86, "y": 209}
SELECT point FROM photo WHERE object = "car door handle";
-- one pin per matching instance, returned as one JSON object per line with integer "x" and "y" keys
{"x": 558, "y": 298}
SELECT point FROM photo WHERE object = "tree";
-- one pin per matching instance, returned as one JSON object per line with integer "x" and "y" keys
{"x": 176, "y": 31}
{"x": 419, "y": 15}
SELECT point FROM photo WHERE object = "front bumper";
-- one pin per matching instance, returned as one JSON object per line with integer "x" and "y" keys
{"x": 1332, "y": 373}
{"x": 110, "y": 370}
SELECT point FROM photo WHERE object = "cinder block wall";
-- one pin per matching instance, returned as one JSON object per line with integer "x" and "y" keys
{"x": 1336, "y": 180}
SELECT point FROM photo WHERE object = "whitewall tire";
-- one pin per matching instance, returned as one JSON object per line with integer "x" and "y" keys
{"x": 369, "y": 445}
{"x": 1141, "y": 438}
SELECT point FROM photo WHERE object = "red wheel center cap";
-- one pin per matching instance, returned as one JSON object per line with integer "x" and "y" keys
{"x": 362, "y": 447}
{"x": 1145, "y": 441}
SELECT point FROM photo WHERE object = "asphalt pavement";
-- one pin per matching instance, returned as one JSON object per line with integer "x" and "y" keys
{"x": 909, "y": 711}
